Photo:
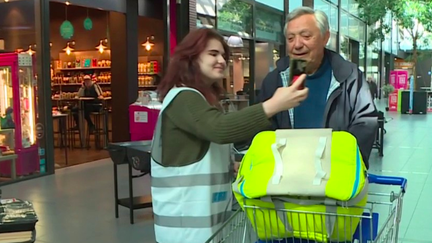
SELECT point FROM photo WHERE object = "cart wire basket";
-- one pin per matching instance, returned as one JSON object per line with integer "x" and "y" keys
{"x": 379, "y": 222}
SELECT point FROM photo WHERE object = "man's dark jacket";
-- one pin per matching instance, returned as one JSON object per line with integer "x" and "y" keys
{"x": 358, "y": 116}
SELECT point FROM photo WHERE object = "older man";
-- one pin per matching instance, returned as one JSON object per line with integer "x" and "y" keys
{"x": 339, "y": 97}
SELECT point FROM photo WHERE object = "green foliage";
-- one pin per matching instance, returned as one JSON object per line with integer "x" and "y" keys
{"x": 387, "y": 89}
{"x": 407, "y": 13}
{"x": 235, "y": 15}
{"x": 413, "y": 16}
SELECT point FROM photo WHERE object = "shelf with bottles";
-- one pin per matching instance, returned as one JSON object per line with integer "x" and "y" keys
{"x": 102, "y": 78}
{"x": 146, "y": 82}
{"x": 83, "y": 64}
{"x": 148, "y": 68}
{"x": 73, "y": 95}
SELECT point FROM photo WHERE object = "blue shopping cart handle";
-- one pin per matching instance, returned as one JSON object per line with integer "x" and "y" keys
{"x": 388, "y": 180}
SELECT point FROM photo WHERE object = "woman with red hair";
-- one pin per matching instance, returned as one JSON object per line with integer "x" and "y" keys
{"x": 191, "y": 155}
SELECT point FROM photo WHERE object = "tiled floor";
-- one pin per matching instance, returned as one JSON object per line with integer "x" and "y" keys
{"x": 77, "y": 204}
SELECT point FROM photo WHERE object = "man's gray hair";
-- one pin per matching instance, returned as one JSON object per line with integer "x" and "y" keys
{"x": 320, "y": 16}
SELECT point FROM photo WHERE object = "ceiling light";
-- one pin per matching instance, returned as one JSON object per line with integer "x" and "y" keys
{"x": 101, "y": 46}
{"x": 235, "y": 41}
{"x": 148, "y": 45}
{"x": 30, "y": 51}
{"x": 68, "y": 49}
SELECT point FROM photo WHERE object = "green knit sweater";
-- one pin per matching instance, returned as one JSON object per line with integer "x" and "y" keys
{"x": 189, "y": 124}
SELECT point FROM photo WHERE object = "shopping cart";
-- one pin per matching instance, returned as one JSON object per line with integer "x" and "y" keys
{"x": 373, "y": 227}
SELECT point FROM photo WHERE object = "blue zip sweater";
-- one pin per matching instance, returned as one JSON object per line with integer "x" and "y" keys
{"x": 310, "y": 113}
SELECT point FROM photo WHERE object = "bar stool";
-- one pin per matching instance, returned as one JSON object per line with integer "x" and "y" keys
{"x": 101, "y": 129}
{"x": 72, "y": 132}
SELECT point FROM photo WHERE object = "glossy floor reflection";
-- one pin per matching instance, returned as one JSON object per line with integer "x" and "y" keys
{"x": 77, "y": 204}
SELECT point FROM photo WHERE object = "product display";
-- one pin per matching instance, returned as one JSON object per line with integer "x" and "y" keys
{"x": 143, "y": 116}
{"x": 151, "y": 67}
{"x": 17, "y": 108}
{"x": 86, "y": 63}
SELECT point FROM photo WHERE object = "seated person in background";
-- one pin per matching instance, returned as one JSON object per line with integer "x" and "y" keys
{"x": 7, "y": 122}
{"x": 90, "y": 89}
{"x": 339, "y": 97}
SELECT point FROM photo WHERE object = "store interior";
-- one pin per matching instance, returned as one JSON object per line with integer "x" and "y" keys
{"x": 87, "y": 52}
{"x": 80, "y": 46}
{"x": 237, "y": 82}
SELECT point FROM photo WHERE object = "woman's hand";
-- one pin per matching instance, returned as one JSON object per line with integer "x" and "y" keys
{"x": 236, "y": 168}
{"x": 286, "y": 98}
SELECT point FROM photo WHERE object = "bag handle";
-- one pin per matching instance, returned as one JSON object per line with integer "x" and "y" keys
{"x": 278, "y": 170}
{"x": 319, "y": 152}
{"x": 279, "y": 165}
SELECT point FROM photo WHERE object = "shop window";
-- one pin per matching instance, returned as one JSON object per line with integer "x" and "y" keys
{"x": 22, "y": 133}
{"x": 351, "y": 6}
{"x": 333, "y": 18}
{"x": 236, "y": 82}
{"x": 235, "y": 16}
{"x": 344, "y": 23}
{"x": 345, "y": 48}
{"x": 353, "y": 28}
{"x": 206, "y": 13}
{"x": 274, "y": 4}
{"x": 293, "y": 4}
{"x": 266, "y": 55}
{"x": 330, "y": 10}
{"x": 362, "y": 61}
{"x": 345, "y": 5}
{"x": 372, "y": 60}
{"x": 332, "y": 43}
{"x": 268, "y": 23}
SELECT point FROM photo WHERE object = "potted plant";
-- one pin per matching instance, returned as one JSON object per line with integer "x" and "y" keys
{"x": 386, "y": 91}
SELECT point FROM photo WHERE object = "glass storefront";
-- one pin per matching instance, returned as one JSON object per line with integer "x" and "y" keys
{"x": 45, "y": 53}
{"x": 269, "y": 23}
{"x": 23, "y": 127}
{"x": 293, "y": 4}
{"x": 235, "y": 16}
{"x": 254, "y": 31}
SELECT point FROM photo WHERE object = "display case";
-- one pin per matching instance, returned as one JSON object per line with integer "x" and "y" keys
{"x": 17, "y": 111}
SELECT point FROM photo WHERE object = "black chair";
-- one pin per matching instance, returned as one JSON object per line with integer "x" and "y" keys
{"x": 72, "y": 132}
{"x": 100, "y": 132}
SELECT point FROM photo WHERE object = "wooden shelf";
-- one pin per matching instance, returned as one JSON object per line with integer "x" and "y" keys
{"x": 147, "y": 86}
{"x": 72, "y": 84}
{"x": 85, "y": 68}
{"x": 148, "y": 74}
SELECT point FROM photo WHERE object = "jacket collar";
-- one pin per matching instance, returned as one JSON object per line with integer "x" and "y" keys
{"x": 341, "y": 68}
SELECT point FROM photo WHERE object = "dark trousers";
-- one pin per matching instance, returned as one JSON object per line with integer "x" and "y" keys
{"x": 88, "y": 109}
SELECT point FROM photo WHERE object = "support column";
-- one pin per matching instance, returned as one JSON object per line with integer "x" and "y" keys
{"x": 338, "y": 36}
{"x": 183, "y": 20}
{"x": 44, "y": 106}
{"x": 167, "y": 33}
{"x": 308, "y": 3}
{"x": 124, "y": 67}
{"x": 193, "y": 14}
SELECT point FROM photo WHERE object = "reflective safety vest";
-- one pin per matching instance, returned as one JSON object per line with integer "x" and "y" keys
{"x": 189, "y": 202}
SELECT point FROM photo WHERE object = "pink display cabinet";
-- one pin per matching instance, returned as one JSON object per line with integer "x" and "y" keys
{"x": 142, "y": 122}
{"x": 18, "y": 111}
{"x": 399, "y": 79}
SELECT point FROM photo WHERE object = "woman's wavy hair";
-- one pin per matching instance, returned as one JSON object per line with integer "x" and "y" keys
{"x": 184, "y": 70}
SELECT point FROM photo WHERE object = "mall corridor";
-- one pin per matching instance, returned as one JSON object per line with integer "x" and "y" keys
{"x": 76, "y": 204}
